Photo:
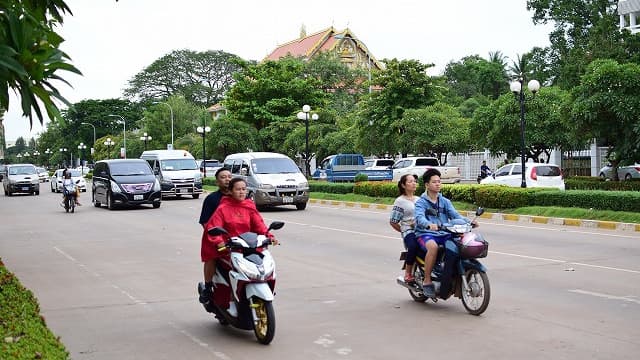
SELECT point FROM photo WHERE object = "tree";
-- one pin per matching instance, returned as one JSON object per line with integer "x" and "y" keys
{"x": 473, "y": 76}
{"x": 30, "y": 57}
{"x": 231, "y": 136}
{"x": 438, "y": 129}
{"x": 606, "y": 106}
{"x": 156, "y": 120}
{"x": 200, "y": 77}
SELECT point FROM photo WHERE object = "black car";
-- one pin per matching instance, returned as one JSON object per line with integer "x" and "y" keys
{"x": 122, "y": 182}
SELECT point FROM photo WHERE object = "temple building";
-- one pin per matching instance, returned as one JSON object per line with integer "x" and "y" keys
{"x": 629, "y": 11}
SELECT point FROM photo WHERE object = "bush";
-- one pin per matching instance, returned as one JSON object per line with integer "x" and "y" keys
{"x": 594, "y": 199}
{"x": 23, "y": 332}
{"x": 361, "y": 177}
{"x": 376, "y": 189}
{"x": 332, "y": 188}
{"x": 596, "y": 183}
{"x": 209, "y": 181}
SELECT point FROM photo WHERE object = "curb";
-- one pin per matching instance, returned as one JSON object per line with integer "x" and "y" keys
{"x": 525, "y": 219}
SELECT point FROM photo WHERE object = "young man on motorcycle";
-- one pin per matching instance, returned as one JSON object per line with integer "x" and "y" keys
{"x": 427, "y": 228}
{"x": 209, "y": 206}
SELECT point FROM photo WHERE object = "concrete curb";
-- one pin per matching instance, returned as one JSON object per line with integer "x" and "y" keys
{"x": 523, "y": 219}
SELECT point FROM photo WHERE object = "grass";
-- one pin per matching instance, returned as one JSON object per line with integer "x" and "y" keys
{"x": 23, "y": 331}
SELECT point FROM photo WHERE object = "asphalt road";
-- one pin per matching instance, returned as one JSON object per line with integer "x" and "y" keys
{"x": 122, "y": 285}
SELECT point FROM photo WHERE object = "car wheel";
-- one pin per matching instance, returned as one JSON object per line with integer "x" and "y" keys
{"x": 301, "y": 206}
{"x": 96, "y": 203}
{"x": 109, "y": 202}
{"x": 195, "y": 196}
{"x": 627, "y": 177}
{"x": 37, "y": 192}
{"x": 52, "y": 188}
{"x": 156, "y": 204}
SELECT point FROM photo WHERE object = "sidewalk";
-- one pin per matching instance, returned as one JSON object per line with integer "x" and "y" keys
{"x": 523, "y": 219}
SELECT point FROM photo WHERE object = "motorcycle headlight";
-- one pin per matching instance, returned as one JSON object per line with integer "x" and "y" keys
{"x": 114, "y": 187}
{"x": 246, "y": 267}
{"x": 268, "y": 264}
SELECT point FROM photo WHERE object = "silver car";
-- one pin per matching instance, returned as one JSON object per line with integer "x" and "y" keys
{"x": 624, "y": 172}
{"x": 21, "y": 178}
{"x": 43, "y": 174}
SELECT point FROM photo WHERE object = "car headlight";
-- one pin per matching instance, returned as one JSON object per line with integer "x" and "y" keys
{"x": 267, "y": 187}
{"x": 303, "y": 185}
{"x": 166, "y": 182}
{"x": 114, "y": 187}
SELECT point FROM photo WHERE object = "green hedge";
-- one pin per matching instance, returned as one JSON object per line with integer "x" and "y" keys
{"x": 210, "y": 181}
{"x": 23, "y": 332}
{"x": 596, "y": 183}
{"x": 332, "y": 188}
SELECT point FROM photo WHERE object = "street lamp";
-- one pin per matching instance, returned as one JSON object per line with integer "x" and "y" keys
{"x": 145, "y": 138}
{"x": 81, "y": 147}
{"x": 35, "y": 154}
{"x": 366, "y": 50}
{"x": 48, "y": 152}
{"x": 64, "y": 157}
{"x": 109, "y": 143}
{"x": 203, "y": 130}
{"x": 304, "y": 115}
{"x": 19, "y": 156}
{"x": 171, "y": 111}
{"x": 124, "y": 134}
{"x": 518, "y": 92}
{"x": 94, "y": 135}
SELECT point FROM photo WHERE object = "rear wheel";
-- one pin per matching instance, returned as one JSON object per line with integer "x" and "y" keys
{"x": 627, "y": 177}
{"x": 109, "y": 202}
{"x": 96, "y": 203}
{"x": 476, "y": 299}
{"x": 416, "y": 293}
{"x": 264, "y": 325}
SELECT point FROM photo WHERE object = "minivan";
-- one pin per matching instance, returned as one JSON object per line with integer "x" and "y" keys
{"x": 176, "y": 170}
{"x": 272, "y": 178}
{"x": 122, "y": 182}
{"x": 536, "y": 175}
{"x": 21, "y": 178}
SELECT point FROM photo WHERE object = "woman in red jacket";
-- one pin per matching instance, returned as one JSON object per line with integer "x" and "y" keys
{"x": 237, "y": 215}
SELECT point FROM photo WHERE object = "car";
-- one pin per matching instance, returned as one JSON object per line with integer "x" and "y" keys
{"x": 536, "y": 175}
{"x": 43, "y": 174}
{"x": 125, "y": 182}
{"x": 378, "y": 164}
{"x": 624, "y": 172}
{"x": 21, "y": 178}
{"x": 76, "y": 176}
{"x": 211, "y": 165}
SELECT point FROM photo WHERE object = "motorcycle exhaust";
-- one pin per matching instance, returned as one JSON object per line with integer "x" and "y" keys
{"x": 411, "y": 286}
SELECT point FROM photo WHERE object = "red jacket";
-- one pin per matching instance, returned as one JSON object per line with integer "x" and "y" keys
{"x": 236, "y": 217}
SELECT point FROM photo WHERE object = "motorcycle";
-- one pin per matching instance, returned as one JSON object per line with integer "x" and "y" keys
{"x": 468, "y": 278}
{"x": 69, "y": 196}
{"x": 484, "y": 174}
{"x": 244, "y": 284}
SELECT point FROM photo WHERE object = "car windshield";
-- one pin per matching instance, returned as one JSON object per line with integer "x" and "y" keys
{"x": 211, "y": 163}
{"x": 178, "y": 164}
{"x": 22, "y": 170}
{"x": 130, "y": 168}
{"x": 548, "y": 171}
{"x": 274, "y": 166}
{"x": 385, "y": 163}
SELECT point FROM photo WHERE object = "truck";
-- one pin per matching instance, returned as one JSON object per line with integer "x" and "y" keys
{"x": 417, "y": 165}
{"x": 345, "y": 167}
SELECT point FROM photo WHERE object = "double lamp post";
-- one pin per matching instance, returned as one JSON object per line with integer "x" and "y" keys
{"x": 518, "y": 91}
{"x": 304, "y": 115}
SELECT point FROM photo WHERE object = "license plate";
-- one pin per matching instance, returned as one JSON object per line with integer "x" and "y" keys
{"x": 287, "y": 199}
{"x": 138, "y": 197}
{"x": 25, "y": 188}
{"x": 183, "y": 190}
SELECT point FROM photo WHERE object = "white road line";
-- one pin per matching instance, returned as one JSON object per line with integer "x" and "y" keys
{"x": 217, "y": 354}
{"x": 65, "y": 254}
{"x": 606, "y": 296}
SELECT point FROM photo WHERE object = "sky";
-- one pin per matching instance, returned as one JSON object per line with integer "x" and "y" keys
{"x": 110, "y": 42}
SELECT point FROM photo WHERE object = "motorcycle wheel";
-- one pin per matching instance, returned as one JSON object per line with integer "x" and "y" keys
{"x": 476, "y": 300}
{"x": 417, "y": 294}
{"x": 264, "y": 325}
{"x": 66, "y": 204}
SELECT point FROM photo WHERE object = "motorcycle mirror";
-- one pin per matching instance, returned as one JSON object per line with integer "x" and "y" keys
{"x": 479, "y": 211}
{"x": 431, "y": 212}
{"x": 276, "y": 225}
{"x": 217, "y": 231}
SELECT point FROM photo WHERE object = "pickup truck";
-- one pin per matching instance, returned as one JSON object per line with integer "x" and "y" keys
{"x": 345, "y": 167}
{"x": 418, "y": 165}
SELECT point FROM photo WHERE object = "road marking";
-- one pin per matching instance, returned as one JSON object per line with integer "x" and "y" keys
{"x": 566, "y": 262}
{"x": 606, "y": 296}
{"x": 217, "y": 354}
{"x": 65, "y": 254}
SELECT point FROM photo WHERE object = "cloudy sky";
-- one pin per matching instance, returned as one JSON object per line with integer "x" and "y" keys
{"x": 111, "y": 41}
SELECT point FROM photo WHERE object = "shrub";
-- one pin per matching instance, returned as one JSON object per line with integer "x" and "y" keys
{"x": 361, "y": 177}
{"x": 595, "y": 183}
{"x": 376, "y": 189}
{"x": 594, "y": 199}
{"x": 332, "y": 188}
{"x": 209, "y": 181}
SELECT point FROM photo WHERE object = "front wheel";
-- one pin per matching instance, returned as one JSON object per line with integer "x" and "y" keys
{"x": 476, "y": 298}
{"x": 264, "y": 325}
{"x": 301, "y": 206}
{"x": 195, "y": 196}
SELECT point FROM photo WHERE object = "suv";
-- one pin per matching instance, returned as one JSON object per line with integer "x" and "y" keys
{"x": 124, "y": 182}
{"x": 536, "y": 175}
{"x": 211, "y": 166}
{"x": 21, "y": 178}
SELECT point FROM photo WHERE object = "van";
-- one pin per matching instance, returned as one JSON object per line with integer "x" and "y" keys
{"x": 176, "y": 170}
{"x": 20, "y": 178}
{"x": 272, "y": 178}
{"x": 119, "y": 182}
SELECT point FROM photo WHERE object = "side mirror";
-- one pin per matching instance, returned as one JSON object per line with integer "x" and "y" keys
{"x": 276, "y": 225}
{"x": 479, "y": 211}
{"x": 217, "y": 231}
{"x": 431, "y": 212}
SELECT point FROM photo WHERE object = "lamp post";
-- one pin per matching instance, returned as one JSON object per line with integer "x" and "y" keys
{"x": 109, "y": 143}
{"x": 203, "y": 130}
{"x": 171, "y": 111}
{"x": 518, "y": 91}
{"x": 81, "y": 147}
{"x": 19, "y": 157}
{"x": 124, "y": 134}
{"x": 145, "y": 138}
{"x": 35, "y": 154}
{"x": 342, "y": 37}
{"x": 94, "y": 135}
{"x": 48, "y": 153}
{"x": 64, "y": 157}
{"x": 304, "y": 115}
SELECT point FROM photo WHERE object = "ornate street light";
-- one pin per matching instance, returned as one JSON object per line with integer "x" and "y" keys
{"x": 171, "y": 111}
{"x": 124, "y": 133}
{"x": 81, "y": 147}
{"x": 304, "y": 115}
{"x": 64, "y": 157}
{"x": 109, "y": 143}
{"x": 516, "y": 88}
{"x": 94, "y": 135}
{"x": 203, "y": 130}
{"x": 145, "y": 138}
{"x": 48, "y": 152}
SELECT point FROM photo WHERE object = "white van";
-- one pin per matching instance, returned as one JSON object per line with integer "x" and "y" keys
{"x": 272, "y": 178}
{"x": 176, "y": 170}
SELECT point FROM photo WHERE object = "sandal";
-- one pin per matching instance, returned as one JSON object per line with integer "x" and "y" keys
{"x": 409, "y": 278}
{"x": 429, "y": 290}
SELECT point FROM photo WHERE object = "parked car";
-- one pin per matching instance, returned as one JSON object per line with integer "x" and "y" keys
{"x": 378, "y": 164}
{"x": 536, "y": 175}
{"x": 21, "y": 178}
{"x": 125, "y": 182}
{"x": 43, "y": 174}
{"x": 76, "y": 176}
{"x": 419, "y": 164}
{"x": 624, "y": 172}
{"x": 345, "y": 167}
{"x": 211, "y": 165}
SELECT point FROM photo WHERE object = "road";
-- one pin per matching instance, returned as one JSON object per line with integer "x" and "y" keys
{"x": 121, "y": 285}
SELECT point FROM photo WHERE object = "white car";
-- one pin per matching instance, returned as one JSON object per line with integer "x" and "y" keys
{"x": 76, "y": 176}
{"x": 624, "y": 172}
{"x": 536, "y": 175}
{"x": 43, "y": 174}
{"x": 378, "y": 164}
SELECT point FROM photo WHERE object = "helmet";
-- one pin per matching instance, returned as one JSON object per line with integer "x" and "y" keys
{"x": 472, "y": 245}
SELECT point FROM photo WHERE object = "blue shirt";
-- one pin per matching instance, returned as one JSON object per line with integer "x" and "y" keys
{"x": 443, "y": 207}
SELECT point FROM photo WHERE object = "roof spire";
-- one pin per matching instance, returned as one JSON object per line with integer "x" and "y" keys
{"x": 303, "y": 31}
